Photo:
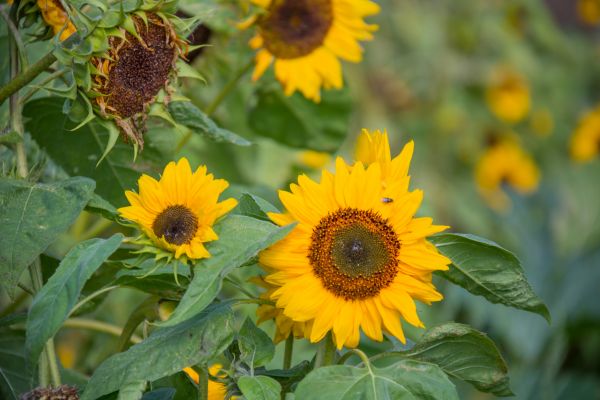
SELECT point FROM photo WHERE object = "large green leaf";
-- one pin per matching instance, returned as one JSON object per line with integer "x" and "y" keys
{"x": 259, "y": 388}
{"x": 298, "y": 122}
{"x": 406, "y": 379}
{"x": 165, "y": 352}
{"x": 240, "y": 239}
{"x": 77, "y": 152}
{"x": 463, "y": 353}
{"x": 187, "y": 114}
{"x": 255, "y": 207}
{"x": 256, "y": 347}
{"x": 31, "y": 217}
{"x": 132, "y": 391}
{"x": 484, "y": 268}
{"x": 15, "y": 378}
{"x": 52, "y": 305}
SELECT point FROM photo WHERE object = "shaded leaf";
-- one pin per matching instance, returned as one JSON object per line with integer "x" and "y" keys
{"x": 165, "y": 352}
{"x": 53, "y": 303}
{"x": 132, "y": 391}
{"x": 31, "y": 217}
{"x": 485, "y": 269}
{"x": 240, "y": 239}
{"x": 187, "y": 114}
{"x": 259, "y": 388}
{"x": 298, "y": 122}
{"x": 255, "y": 207}
{"x": 100, "y": 206}
{"x": 406, "y": 379}
{"x": 256, "y": 347}
{"x": 160, "y": 394}
{"x": 15, "y": 379}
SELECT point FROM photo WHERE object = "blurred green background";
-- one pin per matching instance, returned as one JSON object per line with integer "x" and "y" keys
{"x": 425, "y": 77}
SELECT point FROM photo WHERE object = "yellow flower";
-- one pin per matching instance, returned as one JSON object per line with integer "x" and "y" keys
{"x": 585, "y": 141}
{"x": 216, "y": 390}
{"x": 505, "y": 162}
{"x": 284, "y": 326}
{"x": 358, "y": 258}
{"x": 55, "y": 15}
{"x": 508, "y": 96}
{"x": 589, "y": 11}
{"x": 314, "y": 159}
{"x": 178, "y": 211}
{"x": 306, "y": 38}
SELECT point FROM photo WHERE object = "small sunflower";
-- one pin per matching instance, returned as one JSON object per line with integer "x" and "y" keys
{"x": 585, "y": 141}
{"x": 178, "y": 211}
{"x": 216, "y": 390}
{"x": 508, "y": 96}
{"x": 588, "y": 12}
{"x": 284, "y": 326}
{"x": 306, "y": 38}
{"x": 358, "y": 258}
{"x": 505, "y": 162}
{"x": 314, "y": 159}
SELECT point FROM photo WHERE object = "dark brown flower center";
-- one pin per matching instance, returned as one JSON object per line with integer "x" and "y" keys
{"x": 294, "y": 28}
{"x": 354, "y": 253}
{"x": 176, "y": 224}
{"x": 138, "y": 72}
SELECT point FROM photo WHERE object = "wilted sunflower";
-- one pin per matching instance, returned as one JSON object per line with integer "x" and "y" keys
{"x": 358, "y": 258}
{"x": 508, "y": 95}
{"x": 136, "y": 66}
{"x": 53, "y": 13}
{"x": 284, "y": 326}
{"x": 216, "y": 390}
{"x": 505, "y": 163}
{"x": 306, "y": 38}
{"x": 585, "y": 141}
{"x": 178, "y": 211}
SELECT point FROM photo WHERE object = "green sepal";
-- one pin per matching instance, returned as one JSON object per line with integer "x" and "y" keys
{"x": 184, "y": 70}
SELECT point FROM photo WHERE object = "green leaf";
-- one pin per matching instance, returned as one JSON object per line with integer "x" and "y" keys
{"x": 52, "y": 305}
{"x": 298, "y": 122}
{"x": 165, "y": 352}
{"x": 187, "y": 114}
{"x": 160, "y": 284}
{"x": 255, "y": 207}
{"x": 160, "y": 394}
{"x": 31, "y": 217}
{"x": 78, "y": 152}
{"x": 183, "y": 386}
{"x": 404, "y": 380}
{"x": 240, "y": 239}
{"x": 485, "y": 269}
{"x": 463, "y": 353}
{"x": 10, "y": 137}
{"x": 132, "y": 391}
{"x": 100, "y": 206}
{"x": 259, "y": 388}
{"x": 256, "y": 347}
{"x": 15, "y": 379}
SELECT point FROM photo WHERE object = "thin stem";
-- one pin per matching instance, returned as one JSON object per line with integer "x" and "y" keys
{"x": 252, "y": 301}
{"x": 238, "y": 286}
{"x": 325, "y": 352}
{"x": 212, "y": 107}
{"x": 289, "y": 351}
{"x": 26, "y": 76}
{"x": 48, "y": 79}
{"x": 98, "y": 227}
{"x": 26, "y": 289}
{"x": 203, "y": 383}
{"x": 14, "y": 31}
{"x": 92, "y": 296}
{"x": 359, "y": 353}
{"x": 52, "y": 364}
{"x": 98, "y": 326}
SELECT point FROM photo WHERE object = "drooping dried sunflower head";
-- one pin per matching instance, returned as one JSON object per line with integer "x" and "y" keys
{"x": 63, "y": 392}
{"x": 131, "y": 73}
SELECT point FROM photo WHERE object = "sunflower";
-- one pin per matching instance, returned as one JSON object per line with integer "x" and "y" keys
{"x": 508, "y": 95}
{"x": 284, "y": 326}
{"x": 505, "y": 162}
{"x": 588, "y": 12}
{"x": 358, "y": 258}
{"x": 585, "y": 141}
{"x": 306, "y": 38}
{"x": 216, "y": 390}
{"x": 55, "y": 16}
{"x": 178, "y": 211}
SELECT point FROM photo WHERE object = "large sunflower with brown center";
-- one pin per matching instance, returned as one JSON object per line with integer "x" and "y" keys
{"x": 358, "y": 257}
{"x": 178, "y": 211}
{"x": 306, "y": 38}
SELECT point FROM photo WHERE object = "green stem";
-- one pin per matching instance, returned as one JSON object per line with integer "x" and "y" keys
{"x": 98, "y": 326}
{"x": 14, "y": 31}
{"x": 97, "y": 228}
{"x": 359, "y": 353}
{"x": 203, "y": 383}
{"x": 52, "y": 364}
{"x": 46, "y": 80}
{"x": 26, "y": 76}
{"x": 289, "y": 351}
{"x": 91, "y": 296}
{"x": 212, "y": 107}
{"x": 325, "y": 352}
